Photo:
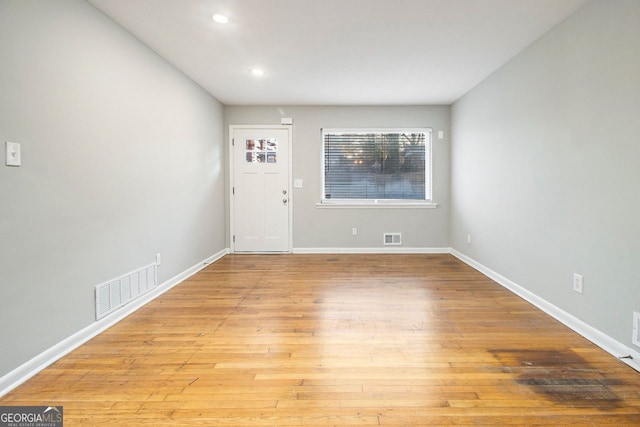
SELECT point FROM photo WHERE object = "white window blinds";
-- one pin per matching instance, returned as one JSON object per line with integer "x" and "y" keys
{"x": 370, "y": 164}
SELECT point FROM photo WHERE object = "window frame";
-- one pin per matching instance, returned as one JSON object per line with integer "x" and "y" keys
{"x": 427, "y": 202}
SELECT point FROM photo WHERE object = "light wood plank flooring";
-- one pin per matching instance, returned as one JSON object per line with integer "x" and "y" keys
{"x": 285, "y": 340}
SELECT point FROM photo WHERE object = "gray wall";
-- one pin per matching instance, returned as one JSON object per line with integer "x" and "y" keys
{"x": 315, "y": 228}
{"x": 546, "y": 166}
{"x": 122, "y": 159}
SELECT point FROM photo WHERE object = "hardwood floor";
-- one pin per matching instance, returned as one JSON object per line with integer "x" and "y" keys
{"x": 283, "y": 340}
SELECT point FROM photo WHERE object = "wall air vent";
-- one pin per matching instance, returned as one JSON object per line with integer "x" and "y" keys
{"x": 392, "y": 239}
{"x": 116, "y": 293}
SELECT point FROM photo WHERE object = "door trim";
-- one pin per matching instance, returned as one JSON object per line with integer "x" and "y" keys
{"x": 232, "y": 129}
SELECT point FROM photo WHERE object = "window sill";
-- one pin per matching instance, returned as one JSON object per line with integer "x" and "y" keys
{"x": 375, "y": 204}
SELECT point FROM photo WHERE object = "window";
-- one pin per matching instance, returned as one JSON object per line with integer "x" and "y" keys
{"x": 376, "y": 166}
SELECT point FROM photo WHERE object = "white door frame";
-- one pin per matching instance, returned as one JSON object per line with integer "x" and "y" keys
{"x": 289, "y": 130}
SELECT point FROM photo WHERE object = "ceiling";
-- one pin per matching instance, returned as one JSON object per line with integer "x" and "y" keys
{"x": 338, "y": 52}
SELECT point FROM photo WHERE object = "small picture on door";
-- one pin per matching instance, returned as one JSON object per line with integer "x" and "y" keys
{"x": 261, "y": 150}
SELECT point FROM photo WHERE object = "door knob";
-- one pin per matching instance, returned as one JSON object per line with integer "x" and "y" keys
{"x": 284, "y": 191}
{"x": 284, "y": 201}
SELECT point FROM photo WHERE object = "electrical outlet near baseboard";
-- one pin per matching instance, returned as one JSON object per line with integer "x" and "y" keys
{"x": 636, "y": 328}
{"x": 577, "y": 283}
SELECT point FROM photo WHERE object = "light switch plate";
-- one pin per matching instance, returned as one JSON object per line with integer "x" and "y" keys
{"x": 13, "y": 154}
{"x": 297, "y": 183}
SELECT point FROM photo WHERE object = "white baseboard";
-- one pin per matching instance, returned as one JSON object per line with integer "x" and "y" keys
{"x": 27, "y": 370}
{"x": 378, "y": 250}
{"x": 608, "y": 344}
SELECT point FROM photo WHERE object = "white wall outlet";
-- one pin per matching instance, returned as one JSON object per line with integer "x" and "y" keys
{"x": 158, "y": 259}
{"x": 440, "y": 134}
{"x": 636, "y": 328}
{"x": 13, "y": 157}
{"x": 354, "y": 231}
{"x": 468, "y": 239}
{"x": 577, "y": 283}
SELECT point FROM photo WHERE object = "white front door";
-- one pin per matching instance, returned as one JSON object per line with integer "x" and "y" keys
{"x": 260, "y": 189}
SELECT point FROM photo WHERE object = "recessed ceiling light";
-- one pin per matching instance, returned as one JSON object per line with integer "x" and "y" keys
{"x": 257, "y": 72}
{"x": 220, "y": 19}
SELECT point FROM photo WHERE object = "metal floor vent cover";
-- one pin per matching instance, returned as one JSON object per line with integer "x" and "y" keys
{"x": 116, "y": 293}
